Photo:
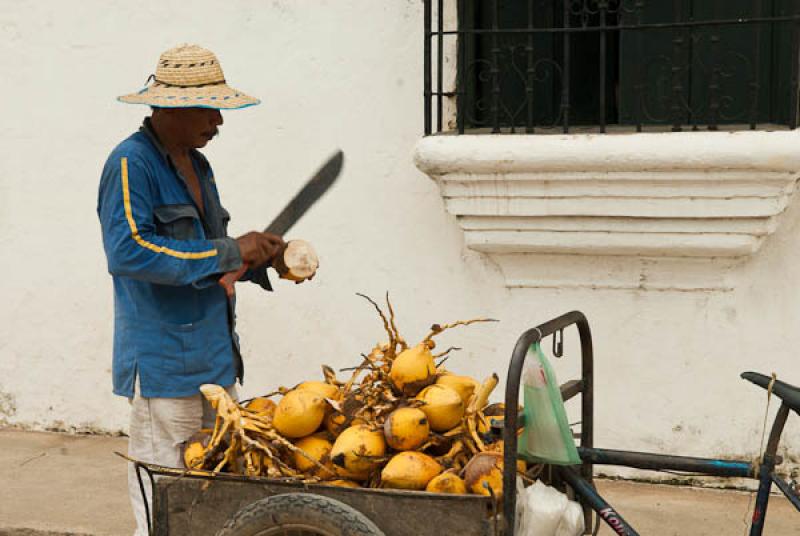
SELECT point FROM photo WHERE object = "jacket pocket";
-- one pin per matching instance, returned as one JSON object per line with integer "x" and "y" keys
{"x": 203, "y": 344}
{"x": 182, "y": 347}
{"x": 181, "y": 222}
{"x": 173, "y": 359}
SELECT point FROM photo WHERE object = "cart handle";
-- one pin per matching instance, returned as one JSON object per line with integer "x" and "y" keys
{"x": 533, "y": 336}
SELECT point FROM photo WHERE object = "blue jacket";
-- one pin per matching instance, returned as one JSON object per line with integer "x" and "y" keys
{"x": 173, "y": 324}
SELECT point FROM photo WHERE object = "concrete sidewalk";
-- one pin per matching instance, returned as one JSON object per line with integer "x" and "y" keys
{"x": 59, "y": 484}
{"x": 63, "y": 484}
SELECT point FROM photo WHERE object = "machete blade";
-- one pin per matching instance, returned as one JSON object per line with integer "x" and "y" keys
{"x": 308, "y": 195}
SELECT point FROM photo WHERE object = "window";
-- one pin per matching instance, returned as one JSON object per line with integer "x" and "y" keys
{"x": 542, "y": 66}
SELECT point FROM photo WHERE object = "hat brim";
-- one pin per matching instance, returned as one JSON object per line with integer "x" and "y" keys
{"x": 218, "y": 96}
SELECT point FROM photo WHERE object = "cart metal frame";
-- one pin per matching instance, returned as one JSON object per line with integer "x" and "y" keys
{"x": 199, "y": 503}
{"x": 580, "y": 479}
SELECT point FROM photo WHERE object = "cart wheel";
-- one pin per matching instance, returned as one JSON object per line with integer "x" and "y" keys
{"x": 299, "y": 514}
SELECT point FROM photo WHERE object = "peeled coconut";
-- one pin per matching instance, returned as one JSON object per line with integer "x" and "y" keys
{"x": 485, "y": 469}
{"x": 463, "y": 385}
{"x": 409, "y": 470}
{"x": 298, "y": 262}
{"x": 443, "y": 407}
{"x": 357, "y": 450}
{"x": 447, "y": 482}
{"x": 413, "y": 369}
{"x": 318, "y": 448}
{"x": 299, "y": 413}
{"x": 406, "y": 428}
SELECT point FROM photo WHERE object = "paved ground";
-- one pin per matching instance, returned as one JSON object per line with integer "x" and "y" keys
{"x": 63, "y": 483}
{"x": 59, "y": 485}
{"x": 663, "y": 510}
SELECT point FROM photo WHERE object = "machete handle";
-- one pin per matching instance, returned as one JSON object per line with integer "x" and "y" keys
{"x": 228, "y": 280}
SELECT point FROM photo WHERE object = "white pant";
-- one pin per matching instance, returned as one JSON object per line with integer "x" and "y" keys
{"x": 158, "y": 427}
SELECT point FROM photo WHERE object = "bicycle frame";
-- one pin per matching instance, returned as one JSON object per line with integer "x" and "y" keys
{"x": 580, "y": 480}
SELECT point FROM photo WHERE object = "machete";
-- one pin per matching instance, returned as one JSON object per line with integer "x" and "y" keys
{"x": 305, "y": 198}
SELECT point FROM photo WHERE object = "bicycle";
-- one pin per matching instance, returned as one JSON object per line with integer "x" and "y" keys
{"x": 580, "y": 480}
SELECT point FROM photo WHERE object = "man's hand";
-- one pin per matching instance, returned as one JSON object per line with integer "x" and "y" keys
{"x": 258, "y": 249}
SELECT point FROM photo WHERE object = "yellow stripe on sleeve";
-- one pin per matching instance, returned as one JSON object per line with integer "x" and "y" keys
{"x": 126, "y": 198}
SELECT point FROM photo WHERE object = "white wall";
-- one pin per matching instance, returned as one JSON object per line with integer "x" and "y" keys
{"x": 330, "y": 74}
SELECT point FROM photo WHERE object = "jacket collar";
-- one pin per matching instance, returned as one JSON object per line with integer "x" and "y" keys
{"x": 150, "y": 133}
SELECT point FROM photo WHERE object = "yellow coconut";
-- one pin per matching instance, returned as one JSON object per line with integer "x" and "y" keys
{"x": 406, "y": 428}
{"x": 443, "y": 407}
{"x": 498, "y": 447}
{"x": 494, "y": 416}
{"x": 334, "y": 423}
{"x": 195, "y": 448}
{"x": 484, "y": 471}
{"x": 194, "y": 455}
{"x": 325, "y": 390}
{"x": 447, "y": 482}
{"x": 409, "y": 470}
{"x": 299, "y": 413}
{"x": 495, "y": 409}
{"x": 413, "y": 369}
{"x": 262, "y": 405}
{"x": 316, "y": 447}
{"x": 343, "y": 474}
{"x": 358, "y": 450}
{"x": 463, "y": 385}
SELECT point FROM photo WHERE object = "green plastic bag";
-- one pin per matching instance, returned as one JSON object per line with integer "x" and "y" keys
{"x": 546, "y": 436}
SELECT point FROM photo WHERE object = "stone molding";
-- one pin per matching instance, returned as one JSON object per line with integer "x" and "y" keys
{"x": 622, "y": 199}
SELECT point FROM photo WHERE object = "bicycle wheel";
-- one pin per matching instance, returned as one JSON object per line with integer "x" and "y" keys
{"x": 299, "y": 514}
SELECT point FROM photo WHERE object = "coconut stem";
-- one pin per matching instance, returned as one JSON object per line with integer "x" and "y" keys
{"x": 392, "y": 340}
{"x": 438, "y": 328}
{"x": 398, "y": 338}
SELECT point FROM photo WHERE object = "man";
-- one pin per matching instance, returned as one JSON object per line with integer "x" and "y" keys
{"x": 165, "y": 237}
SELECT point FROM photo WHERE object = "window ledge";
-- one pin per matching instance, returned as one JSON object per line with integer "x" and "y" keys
{"x": 712, "y": 196}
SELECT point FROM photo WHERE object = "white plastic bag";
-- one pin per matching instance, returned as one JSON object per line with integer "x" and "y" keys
{"x": 545, "y": 511}
{"x": 545, "y": 506}
{"x": 522, "y": 508}
{"x": 571, "y": 520}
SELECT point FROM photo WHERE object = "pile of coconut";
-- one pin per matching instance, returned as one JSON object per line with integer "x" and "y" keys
{"x": 401, "y": 420}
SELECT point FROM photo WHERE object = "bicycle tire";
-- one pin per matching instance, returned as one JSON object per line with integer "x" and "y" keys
{"x": 303, "y": 513}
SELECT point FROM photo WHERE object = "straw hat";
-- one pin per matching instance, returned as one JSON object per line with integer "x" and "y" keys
{"x": 189, "y": 76}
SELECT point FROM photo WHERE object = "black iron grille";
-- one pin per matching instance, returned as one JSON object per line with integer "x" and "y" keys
{"x": 539, "y": 66}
